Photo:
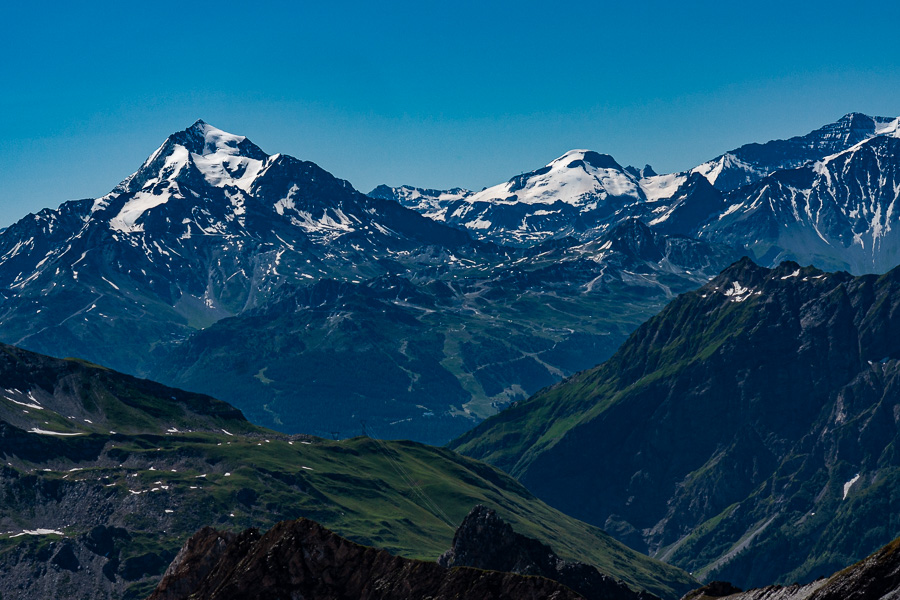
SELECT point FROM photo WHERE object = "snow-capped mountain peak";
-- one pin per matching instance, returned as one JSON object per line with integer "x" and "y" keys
{"x": 206, "y": 227}
{"x": 573, "y": 193}
{"x": 221, "y": 157}
{"x": 215, "y": 140}
{"x": 578, "y": 177}
{"x": 188, "y": 161}
{"x": 752, "y": 162}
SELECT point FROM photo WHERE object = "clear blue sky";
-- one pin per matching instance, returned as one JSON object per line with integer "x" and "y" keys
{"x": 425, "y": 93}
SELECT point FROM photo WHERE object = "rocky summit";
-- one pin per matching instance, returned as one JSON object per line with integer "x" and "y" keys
{"x": 485, "y": 541}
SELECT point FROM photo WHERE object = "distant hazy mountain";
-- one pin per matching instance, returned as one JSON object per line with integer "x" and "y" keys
{"x": 825, "y": 198}
{"x": 838, "y": 213}
{"x": 578, "y": 194}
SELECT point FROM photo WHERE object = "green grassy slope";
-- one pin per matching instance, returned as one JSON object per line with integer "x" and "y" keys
{"x": 149, "y": 470}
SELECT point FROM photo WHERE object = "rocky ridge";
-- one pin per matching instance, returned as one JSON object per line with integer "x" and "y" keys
{"x": 877, "y": 577}
{"x": 303, "y": 559}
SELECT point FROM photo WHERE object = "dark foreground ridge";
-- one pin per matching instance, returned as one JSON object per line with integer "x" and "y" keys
{"x": 485, "y": 541}
{"x": 875, "y": 577}
{"x": 302, "y": 559}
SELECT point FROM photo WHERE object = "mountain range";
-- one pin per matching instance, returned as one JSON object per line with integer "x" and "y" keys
{"x": 826, "y": 198}
{"x": 259, "y": 278}
{"x": 745, "y": 432}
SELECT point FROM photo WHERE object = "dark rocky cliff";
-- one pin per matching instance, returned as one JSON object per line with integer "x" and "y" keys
{"x": 302, "y": 559}
{"x": 485, "y": 541}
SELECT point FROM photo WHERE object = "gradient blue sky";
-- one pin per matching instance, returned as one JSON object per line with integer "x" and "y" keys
{"x": 430, "y": 94}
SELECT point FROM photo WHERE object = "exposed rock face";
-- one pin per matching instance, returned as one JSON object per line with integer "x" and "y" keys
{"x": 485, "y": 541}
{"x": 834, "y": 213}
{"x": 722, "y": 589}
{"x": 302, "y": 559}
{"x": 875, "y": 577}
{"x": 194, "y": 562}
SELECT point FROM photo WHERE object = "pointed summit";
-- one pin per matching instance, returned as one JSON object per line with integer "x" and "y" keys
{"x": 204, "y": 139}
{"x": 201, "y": 150}
{"x": 574, "y": 194}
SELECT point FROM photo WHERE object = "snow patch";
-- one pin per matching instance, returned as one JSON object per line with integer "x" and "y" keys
{"x": 45, "y": 432}
{"x": 38, "y": 532}
{"x": 849, "y": 485}
{"x": 38, "y": 407}
{"x": 126, "y": 220}
{"x": 739, "y": 293}
{"x": 661, "y": 187}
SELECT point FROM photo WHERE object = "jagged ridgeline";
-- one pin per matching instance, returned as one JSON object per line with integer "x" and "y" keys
{"x": 824, "y": 198}
{"x": 303, "y": 559}
{"x": 748, "y": 432}
{"x": 104, "y": 476}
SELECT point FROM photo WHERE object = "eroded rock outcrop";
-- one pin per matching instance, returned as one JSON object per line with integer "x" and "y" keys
{"x": 302, "y": 559}
{"x": 485, "y": 541}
